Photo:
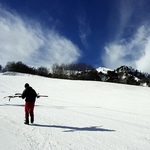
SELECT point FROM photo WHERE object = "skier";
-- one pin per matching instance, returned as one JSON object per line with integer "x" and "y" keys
{"x": 30, "y": 96}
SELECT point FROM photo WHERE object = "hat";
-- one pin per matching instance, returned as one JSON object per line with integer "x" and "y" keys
{"x": 26, "y": 85}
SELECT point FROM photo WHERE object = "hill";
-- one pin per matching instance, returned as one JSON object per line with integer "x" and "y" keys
{"x": 77, "y": 115}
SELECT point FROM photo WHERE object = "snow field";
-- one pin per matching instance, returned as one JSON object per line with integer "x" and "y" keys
{"x": 77, "y": 115}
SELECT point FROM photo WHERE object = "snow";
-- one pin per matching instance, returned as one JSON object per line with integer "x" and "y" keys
{"x": 103, "y": 70}
{"x": 77, "y": 115}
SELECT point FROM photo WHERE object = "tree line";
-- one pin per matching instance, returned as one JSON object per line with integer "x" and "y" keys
{"x": 82, "y": 71}
{"x": 75, "y": 71}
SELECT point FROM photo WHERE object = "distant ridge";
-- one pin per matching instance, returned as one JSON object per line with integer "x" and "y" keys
{"x": 125, "y": 75}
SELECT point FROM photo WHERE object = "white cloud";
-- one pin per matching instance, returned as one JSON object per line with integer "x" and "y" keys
{"x": 25, "y": 40}
{"x": 131, "y": 42}
{"x": 134, "y": 52}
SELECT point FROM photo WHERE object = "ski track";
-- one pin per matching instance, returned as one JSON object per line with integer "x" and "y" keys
{"x": 75, "y": 116}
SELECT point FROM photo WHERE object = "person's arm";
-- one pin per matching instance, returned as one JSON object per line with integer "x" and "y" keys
{"x": 23, "y": 94}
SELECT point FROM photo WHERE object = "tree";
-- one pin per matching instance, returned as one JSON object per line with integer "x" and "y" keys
{"x": 112, "y": 76}
{"x": 0, "y": 68}
{"x": 131, "y": 80}
{"x": 58, "y": 71}
{"x": 42, "y": 71}
{"x": 9, "y": 66}
{"x": 19, "y": 67}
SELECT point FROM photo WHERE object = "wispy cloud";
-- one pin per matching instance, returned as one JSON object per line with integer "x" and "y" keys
{"x": 125, "y": 12}
{"x": 84, "y": 29}
{"x": 25, "y": 40}
{"x": 130, "y": 46}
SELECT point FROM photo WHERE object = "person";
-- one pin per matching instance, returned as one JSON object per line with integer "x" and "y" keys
{"x": 30, "y": 95}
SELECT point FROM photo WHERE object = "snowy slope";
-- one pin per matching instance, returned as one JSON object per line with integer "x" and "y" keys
{"x": 77, "y": 115}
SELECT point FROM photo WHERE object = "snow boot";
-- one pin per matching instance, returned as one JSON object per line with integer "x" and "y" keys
{"x": 32, "y": 118}
{"x": 26, "y": 121}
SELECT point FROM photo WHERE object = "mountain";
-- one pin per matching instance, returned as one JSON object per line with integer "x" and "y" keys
{"x": 125, "y": 75}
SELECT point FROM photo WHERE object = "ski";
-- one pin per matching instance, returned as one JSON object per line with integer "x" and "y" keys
{"x": 38, "y": 95}
{"x": 19, "y": 95}
{"x": 12, "y": 97}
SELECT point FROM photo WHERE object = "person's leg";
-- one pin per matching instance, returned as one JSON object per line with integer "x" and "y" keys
{"x": 26, "y": 113}
{"x": 32, "y": 112}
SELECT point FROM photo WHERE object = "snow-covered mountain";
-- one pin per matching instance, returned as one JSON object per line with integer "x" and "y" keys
{"x": 124, "y": 74}
{"x": 77, "y": 115}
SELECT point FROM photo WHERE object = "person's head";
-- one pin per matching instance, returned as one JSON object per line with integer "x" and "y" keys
{"x": 26, "y": 85}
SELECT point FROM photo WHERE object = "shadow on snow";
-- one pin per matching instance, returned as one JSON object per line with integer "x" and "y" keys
{"x": 20, "y": 105}
{"x": 73, "y": 129}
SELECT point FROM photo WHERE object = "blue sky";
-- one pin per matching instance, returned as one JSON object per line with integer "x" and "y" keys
{"x": 106, "y": 33}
